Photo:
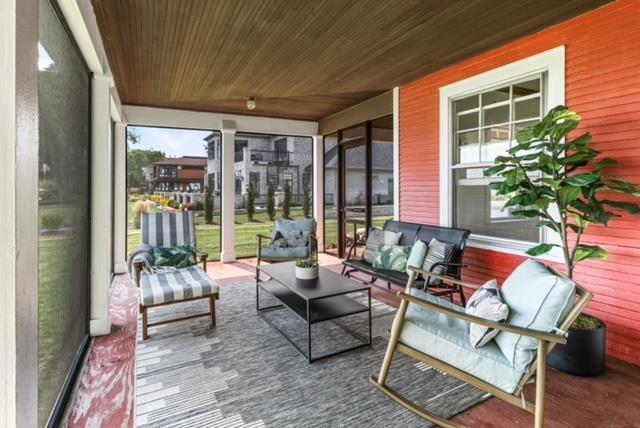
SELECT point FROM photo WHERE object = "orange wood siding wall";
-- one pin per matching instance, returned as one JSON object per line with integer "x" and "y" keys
{"x": 603, "y": 85}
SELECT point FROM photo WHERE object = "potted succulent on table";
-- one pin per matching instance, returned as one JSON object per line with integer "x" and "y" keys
{"x": 307, "y": 268}
{"x": 563, "y": 185}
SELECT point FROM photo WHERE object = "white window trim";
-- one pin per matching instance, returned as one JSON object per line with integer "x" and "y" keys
{"x": 552, "y": 63}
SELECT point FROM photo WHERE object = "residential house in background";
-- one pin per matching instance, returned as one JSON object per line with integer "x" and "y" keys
{"x": 184, "y": 174}
{"x": 262, "y": 159}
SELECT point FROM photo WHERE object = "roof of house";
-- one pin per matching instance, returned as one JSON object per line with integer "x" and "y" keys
{"x": 184, "y": 160}
{"x": 382, "y": 157}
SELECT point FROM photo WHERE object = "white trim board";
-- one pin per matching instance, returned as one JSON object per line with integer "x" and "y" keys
{"x": 552, "y": 63}
{"x": 187, "y": 119}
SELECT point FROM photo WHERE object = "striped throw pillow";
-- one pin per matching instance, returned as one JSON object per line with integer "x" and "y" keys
{"x": 438, "y": 252}
{"x": 376, "y": 238}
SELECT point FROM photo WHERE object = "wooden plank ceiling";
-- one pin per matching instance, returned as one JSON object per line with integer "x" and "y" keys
{"x": 300, "y": 59}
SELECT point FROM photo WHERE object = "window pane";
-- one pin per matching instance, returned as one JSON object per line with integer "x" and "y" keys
{"x": 495, "y": 96}
{"x": 522, "y": 125}
{"x": 466, "y": 104}
{"x": 527, "y": 109}
{"x": 476, "y": 209}
{"x": 382, "y": 171}
{"x": 468, "y": 121}
{"x": 526, "y": 88}
{"x": 64, "y": 89}
{"x": 468, "y": 147}
{"x": 496, "y": 115}
{"x": 495, "y": 142}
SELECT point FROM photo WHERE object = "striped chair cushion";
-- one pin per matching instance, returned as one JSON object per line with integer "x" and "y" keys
{"x": 168, "y": 229}
{"x": 176, "y": 285}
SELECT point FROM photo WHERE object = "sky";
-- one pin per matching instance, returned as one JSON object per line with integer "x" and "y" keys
{"x": 173, "y": 142}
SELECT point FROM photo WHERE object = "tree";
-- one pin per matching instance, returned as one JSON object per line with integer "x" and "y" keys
{"x": 271, "y": 205}
{"x": 306, "y": 200}
{"x": 250, "y": 201}
{"x": 571, "y": 185}
{"x": 286, "y": 200}
{"x": 208, "y": 204}
{"x": 138, "y": 159}
{"x": 133, "y": 136}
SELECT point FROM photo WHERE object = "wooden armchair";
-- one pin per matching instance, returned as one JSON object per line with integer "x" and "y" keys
{"x": 546, "y": 341}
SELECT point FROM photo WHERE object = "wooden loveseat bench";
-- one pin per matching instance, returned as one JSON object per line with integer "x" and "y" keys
{"x": 411, "y": 232}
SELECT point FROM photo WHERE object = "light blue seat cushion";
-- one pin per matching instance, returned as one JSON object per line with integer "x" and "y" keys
{"x": 447, "y": 339}
{"x": 284, "y": 252}
{"x": 300, "y": 225}
{"x": 174, "y": 285}
{"x": 537, "y": 299}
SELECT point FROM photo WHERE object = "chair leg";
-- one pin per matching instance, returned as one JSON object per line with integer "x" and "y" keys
{"x": 145, "y": 328}
{"x": 541, "y": 371}
{"x": 393, "y": 341}
{"x": 344, "y": 268}
{"x": 463, "y": 299}
{"x": 212, "y": 311}
{"x": 388, "y": 285}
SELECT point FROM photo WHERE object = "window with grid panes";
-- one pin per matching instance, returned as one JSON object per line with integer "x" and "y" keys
{"x": 484, "y": 127}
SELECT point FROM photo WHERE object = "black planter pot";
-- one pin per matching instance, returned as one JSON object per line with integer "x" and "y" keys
{"x": 583, "y": 355}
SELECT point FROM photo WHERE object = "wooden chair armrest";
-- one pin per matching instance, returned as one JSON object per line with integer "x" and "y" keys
{"x": 261, "y": 237}
{"x": 445, "y": 279}
{"x": 536, "y": 334}
{"x": 202, "y": 257}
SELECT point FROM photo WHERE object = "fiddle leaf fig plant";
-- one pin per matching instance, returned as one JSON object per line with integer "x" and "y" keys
{"x": 561, "y": 183}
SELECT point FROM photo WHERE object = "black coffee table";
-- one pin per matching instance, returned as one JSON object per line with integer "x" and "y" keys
{"x": 314, "y": 301}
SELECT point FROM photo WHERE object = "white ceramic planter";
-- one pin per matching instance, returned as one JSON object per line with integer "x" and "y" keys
{"x": 307, "y": 273}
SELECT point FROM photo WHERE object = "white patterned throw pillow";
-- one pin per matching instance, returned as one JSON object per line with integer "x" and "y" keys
{"x": 486, "y": 303}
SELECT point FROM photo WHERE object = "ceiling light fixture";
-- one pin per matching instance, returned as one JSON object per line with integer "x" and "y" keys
{"x": 251, "y": 103}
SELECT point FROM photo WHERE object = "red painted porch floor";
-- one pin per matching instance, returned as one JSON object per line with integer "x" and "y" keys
{"x": 105, "y": 393}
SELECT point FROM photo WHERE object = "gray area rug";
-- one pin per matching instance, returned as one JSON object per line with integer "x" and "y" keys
{"x": 244, "y": 373}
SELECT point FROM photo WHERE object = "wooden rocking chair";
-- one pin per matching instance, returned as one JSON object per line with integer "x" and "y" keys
{"x": 401, "y": 340}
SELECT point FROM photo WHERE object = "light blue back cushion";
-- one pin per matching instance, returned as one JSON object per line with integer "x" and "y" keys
{"x": 537, "y": 299}
{"x": 301, "y": 225}
{"x": 417, "y": 255}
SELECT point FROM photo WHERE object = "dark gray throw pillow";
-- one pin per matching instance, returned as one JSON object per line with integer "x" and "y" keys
{"x": 486, "y": 303}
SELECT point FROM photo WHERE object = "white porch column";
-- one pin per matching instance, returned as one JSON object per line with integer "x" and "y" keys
{"x": 318, "y": 187}
{"x": 396, "y": 153}
{"x": 101, "y": 158}
{"x": 120, "y": 198}
{"x": 227, "y": 228}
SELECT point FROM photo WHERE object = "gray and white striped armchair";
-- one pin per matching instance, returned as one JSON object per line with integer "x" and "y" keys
{"x": 163, "y": 286}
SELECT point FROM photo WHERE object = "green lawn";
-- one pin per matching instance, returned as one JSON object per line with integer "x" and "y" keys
{"x": 58, "y": 325}
{"x": 208, "y": 235}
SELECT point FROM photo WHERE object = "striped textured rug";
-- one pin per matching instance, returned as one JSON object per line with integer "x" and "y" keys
{"x": 245, "y": 374}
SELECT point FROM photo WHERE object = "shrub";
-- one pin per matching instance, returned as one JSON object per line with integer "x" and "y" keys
{"x": 172, "y": 203}
{"x": 198, "y": 206}
{"x": 208, "y": 205}
{"x": 286, "y": 201}
{"x": 51, "y": 220}
{"x": 139, "y": 208}
{"x": 250, "y": 201}
{"x": 306, "y": 201}
{"x": 47, "y": 190}
{"x": 271, "y": 205}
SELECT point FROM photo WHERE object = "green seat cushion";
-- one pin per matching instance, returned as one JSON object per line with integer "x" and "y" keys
{"x": 284, "y": 252}
{"x": 392, "y": 257}
{"x": 417, "y": 255}
{"x": 537, "y": 299}
{"x": 179, "y": 256}
{"x": 447, "y": 339}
